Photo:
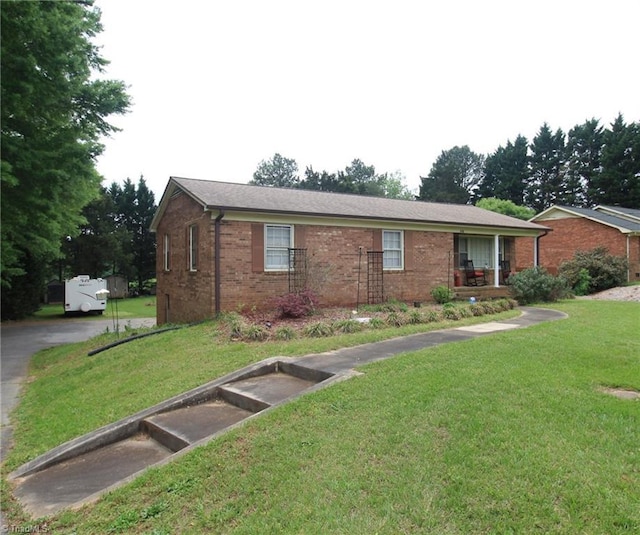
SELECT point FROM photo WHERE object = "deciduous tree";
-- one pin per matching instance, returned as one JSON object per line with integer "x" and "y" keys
{"x": 53, "y": 114}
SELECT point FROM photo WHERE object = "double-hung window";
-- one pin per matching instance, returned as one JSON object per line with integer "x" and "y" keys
{"x": 393, "y": 247}
{"x": 193, "y": 248}
{"x": 278, "y": 240}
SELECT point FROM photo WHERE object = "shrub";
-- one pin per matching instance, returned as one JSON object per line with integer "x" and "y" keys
{"x": 477, "y": 309}
{"x": 536, "y": 285}
{"x": 415, "y": 317}
{"x": 296, "y": 305}
{"x": 442, "y": 294}
{"x": 604, "y": 270}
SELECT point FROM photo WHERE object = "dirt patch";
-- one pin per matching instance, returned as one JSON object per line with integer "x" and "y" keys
{"x": 621, "y": 393}
{"x": 621, "y": 293}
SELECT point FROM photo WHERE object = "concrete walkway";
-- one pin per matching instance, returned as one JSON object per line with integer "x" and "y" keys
{"x": 83, "y": 469}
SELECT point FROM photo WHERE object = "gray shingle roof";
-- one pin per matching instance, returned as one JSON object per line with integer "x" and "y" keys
{"x": 608, "y": 219}
{"x": 246, "y": 197}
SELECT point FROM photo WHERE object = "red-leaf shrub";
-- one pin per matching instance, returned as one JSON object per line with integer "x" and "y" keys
{"x": 296, "y": 305}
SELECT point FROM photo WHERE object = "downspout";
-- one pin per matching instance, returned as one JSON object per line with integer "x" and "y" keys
{"x": 216, "y": 266}
{"x": 536, "y": 252}
{"x": 628, "y": 258}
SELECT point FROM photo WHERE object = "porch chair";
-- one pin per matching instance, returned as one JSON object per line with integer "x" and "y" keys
{"x": 505, "y": 271}
{"x": 474, "y": 277}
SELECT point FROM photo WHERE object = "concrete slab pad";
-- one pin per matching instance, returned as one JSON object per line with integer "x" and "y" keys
{"x": 70, "y": 482}
{"x": 490, "y": 327}
{"x": 271, "y": 388}
{"x": 194, "y": 423}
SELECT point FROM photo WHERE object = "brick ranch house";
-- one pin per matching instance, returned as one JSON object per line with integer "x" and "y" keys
{"x": 583, "y": 229}
{"x": 228, "y": 247}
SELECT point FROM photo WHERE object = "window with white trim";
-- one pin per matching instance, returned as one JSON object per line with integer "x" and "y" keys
{"x": 278, "y": 239}
{"x": 166, "y": 252}
{"x": 393, "y": 247}
{"x": 193, "y": 248}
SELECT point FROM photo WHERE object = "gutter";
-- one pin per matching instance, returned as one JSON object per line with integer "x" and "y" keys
{"x": 216, "y": 268}
{"x": 537, "y": 249}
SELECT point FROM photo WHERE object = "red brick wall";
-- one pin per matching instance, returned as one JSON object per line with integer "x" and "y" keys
{"x": 576, "y": 234}
{"x": 333, "y": 257}
{"x": 184, "y": 296}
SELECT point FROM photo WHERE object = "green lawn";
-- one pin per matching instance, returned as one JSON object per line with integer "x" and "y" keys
{"x": 507, "y": 433}
{"x": 134, "y": 307}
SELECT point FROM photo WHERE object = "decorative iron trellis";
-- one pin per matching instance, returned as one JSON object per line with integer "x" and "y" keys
{"x": 375, "y": 281}
{"x": 297, "y": 269}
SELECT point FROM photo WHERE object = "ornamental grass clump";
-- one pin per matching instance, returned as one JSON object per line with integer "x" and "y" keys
{"x": 318, "y": 329}
{"x": 347, "y": 326}
{"x": 285, "y": 333}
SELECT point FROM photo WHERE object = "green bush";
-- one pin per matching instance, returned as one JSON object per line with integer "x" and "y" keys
{"x": 537, "y": 285}
{"x": 442, "y": 294}
{"x": 604, "y": 271}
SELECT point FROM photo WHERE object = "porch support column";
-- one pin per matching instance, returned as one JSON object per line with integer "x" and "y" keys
{"x": 496, "y": 260}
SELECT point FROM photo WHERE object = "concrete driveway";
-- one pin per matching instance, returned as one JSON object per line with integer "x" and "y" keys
{"x": 20, "y": 340}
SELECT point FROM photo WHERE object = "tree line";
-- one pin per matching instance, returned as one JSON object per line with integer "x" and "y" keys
{"x": 115, "y": 239}
{"x": 590, "y": 165}
{"x": 357, "y": 178}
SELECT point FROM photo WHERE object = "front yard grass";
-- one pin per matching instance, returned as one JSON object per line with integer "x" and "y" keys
{"x": 506, "y": 433}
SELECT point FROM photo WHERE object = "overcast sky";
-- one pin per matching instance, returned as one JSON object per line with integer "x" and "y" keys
{"x": 218, "y": 86}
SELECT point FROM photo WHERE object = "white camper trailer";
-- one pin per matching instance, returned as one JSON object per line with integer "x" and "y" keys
{"x": 80, "y": 294}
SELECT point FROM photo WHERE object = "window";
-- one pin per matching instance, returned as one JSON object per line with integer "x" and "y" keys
{"x": 392, "y": 245}
{"x": 479, "y": 249}
{"x": 193, "y": 248}
{"x": 278, "y": 241}
{"x": 166, "y": 252}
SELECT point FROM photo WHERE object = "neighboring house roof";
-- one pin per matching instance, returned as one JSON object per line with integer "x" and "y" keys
{"x": 626, "y": 213}
{"x": 226, "y": 196}
{"x": 626, "y": 220}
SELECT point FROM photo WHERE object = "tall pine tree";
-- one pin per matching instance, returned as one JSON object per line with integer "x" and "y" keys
{"x": 619, "y": 181}
{"x": 506, "y": 172}
{"x": 583, "y": 156}
{"x": 546, "y": 179}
